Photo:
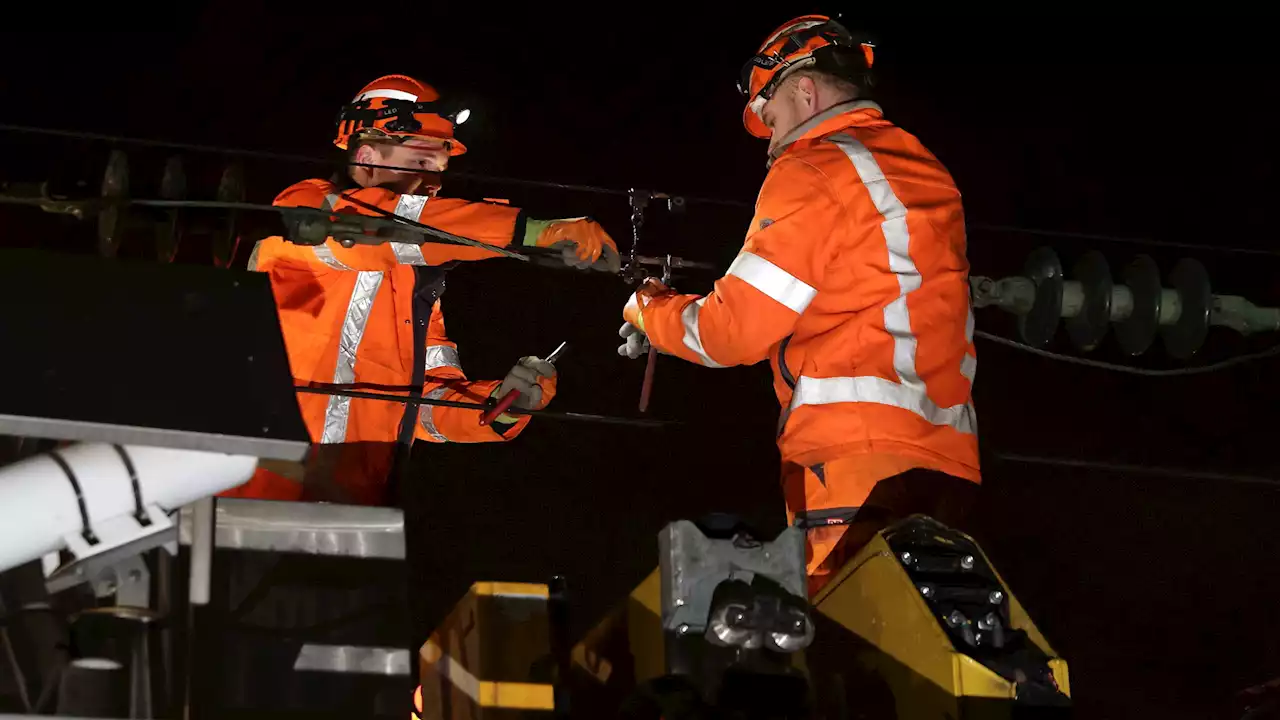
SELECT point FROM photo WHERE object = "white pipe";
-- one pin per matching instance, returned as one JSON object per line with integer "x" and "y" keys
{"x": 201, "y": 552}
{"x": 38, "y": 505}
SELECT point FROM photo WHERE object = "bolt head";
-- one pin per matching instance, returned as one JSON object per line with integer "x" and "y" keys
{"x": 996, "y": 597}
{"x": 966, "y": 562}
{"x": 926, "y": 591}
{"x": 906, "y": 558}
{"x": 955, "y": 618}
{"x": 683, "y": 629}
{"x": 679, "y": 602}
{"x": 991, "y": 619}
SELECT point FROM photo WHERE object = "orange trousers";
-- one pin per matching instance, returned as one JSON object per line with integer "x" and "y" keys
{"x": 837, "y": 531}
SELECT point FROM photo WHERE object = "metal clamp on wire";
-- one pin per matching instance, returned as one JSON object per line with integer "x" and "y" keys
{"x": 639, "y": 201}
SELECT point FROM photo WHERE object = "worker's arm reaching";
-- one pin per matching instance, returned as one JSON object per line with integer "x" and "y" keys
{"x": 771, "y": 282}
{"x": 583, "y": 242}
{"x": 534, "y": 378}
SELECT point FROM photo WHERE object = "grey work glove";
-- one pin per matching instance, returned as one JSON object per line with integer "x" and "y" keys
{"x": 524, "y": 377}
{"x": 637, "y": 343}
{"x": 609, "y": 261}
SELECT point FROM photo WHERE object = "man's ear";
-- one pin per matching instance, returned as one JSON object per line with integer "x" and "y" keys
{"x": 366, "y": 154}
{"x": 808, "y": 89}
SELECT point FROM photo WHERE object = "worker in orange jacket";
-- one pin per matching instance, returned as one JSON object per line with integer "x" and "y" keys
{"x": 853, "y": 284}
{"x": 369, "y": 315}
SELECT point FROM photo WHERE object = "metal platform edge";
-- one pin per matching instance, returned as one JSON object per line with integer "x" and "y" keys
{"x": 353, "y": 531}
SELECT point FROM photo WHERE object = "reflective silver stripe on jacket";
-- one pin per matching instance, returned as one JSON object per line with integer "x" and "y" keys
{"x": 323, "y": 252}
{"x": 692, "y": 335}
{"x": 909, "y": 392}
{"x": 773, "y": 281}
{"x": 253, "y": 256}
{"x": 410, "y": 207}
{"x": 439, "y": 356}
{"x": 353, "y": 326}
{"x": 969, "y": 367}
{"x": 827, "y": 391}
{"x": 897, "y": 320}
{"x": 325, "y": 255}
{"x": 427, "y": 420}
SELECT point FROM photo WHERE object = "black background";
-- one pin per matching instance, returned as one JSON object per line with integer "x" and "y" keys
{"x": 1158, "y": 587}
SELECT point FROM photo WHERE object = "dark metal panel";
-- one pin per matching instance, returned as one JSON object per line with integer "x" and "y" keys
{"x": 167, "y": 355}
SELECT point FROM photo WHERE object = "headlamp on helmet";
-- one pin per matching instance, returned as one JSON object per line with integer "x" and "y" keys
{"x": 399, "y": 117}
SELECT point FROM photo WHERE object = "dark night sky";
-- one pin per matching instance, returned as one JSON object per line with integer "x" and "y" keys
{"x": 1158, "y": 589}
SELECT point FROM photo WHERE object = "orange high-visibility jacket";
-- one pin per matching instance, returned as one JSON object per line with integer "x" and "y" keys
{"x": 348, "y": 315}
{"x": 853, "y": 282}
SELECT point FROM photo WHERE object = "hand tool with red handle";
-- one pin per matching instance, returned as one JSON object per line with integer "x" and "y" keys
{"x": 512, "y": 395}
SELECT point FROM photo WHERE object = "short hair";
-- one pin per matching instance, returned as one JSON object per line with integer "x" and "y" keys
{"x": 840, "y": 85}
{"x": 360, "y": 139}
{"x": 342, "y": 176}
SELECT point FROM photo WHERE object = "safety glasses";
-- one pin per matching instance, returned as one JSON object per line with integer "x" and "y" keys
{"x": 757, "y": 62}
{"x": 377, "y": 135}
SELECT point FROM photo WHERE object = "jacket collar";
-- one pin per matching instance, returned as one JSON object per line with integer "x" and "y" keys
{"x": 823, "y": 123}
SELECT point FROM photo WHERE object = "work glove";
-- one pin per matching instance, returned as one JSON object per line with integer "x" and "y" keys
{"x": 636, "y": 343}
{"x": 582, "y": 243}
{"x": 535, "y": 379}
{"x": 632, "y": 331}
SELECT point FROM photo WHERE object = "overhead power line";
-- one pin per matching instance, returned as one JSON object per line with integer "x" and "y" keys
{"x": 1176, "y": 372}
{"x": 583, "y": 188}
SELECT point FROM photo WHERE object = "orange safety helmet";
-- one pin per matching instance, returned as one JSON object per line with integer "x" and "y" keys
{"x": 814, "y": 41}
{"x": 399, "y": 106}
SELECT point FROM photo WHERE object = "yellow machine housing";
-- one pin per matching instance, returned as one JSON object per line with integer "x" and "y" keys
{"x": 881, "y": 642}
{"x": 490, "y": 658}
{"x": 881, "y": 648}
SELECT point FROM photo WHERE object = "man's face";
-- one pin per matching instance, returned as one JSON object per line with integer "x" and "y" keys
{"x": 419, "y": 153}
{"x": 792, "y": 103}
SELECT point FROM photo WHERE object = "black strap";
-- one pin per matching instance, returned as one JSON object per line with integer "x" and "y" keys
{"x": 787, "y": 377}
{"x": 428, "y": 287}
{"x": 822, "y": 518}
{"x": 87, "y": 532}
{"x": 139, "y": 513}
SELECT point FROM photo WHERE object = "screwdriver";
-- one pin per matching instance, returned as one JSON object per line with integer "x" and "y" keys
{"x": 512, "y": 395}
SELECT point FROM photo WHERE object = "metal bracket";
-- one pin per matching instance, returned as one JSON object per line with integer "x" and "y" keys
{"x": 128, "y": 580}
{"x": 692, "y": 565}
{"x": 119, "y": 539}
